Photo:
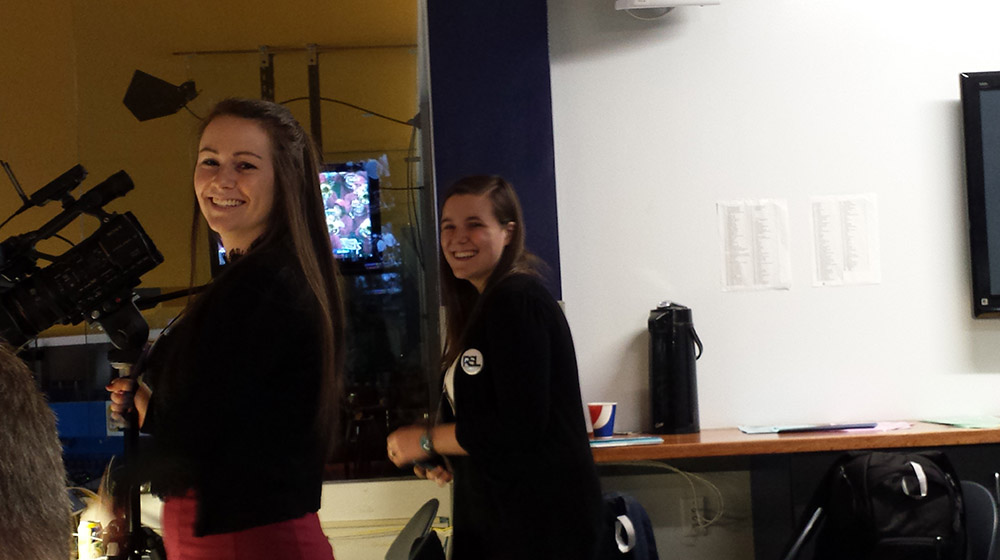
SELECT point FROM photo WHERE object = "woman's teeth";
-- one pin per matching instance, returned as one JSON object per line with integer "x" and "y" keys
{"x": 226, "y": 202}
{"x": 465, "y": 254}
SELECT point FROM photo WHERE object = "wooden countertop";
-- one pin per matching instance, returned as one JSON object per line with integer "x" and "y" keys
{"x": 727, "y": 442}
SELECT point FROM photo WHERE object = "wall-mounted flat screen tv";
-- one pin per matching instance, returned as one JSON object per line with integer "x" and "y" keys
{"x": 980, "y": 92}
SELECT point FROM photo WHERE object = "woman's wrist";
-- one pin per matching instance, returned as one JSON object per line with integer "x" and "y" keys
{"x": 427, "y": 443}
{"x": 442, "y": 437}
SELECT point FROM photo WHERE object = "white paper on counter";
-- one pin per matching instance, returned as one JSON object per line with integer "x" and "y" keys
{"x": 845, "y": 240}
{"x": 754, "y": 237}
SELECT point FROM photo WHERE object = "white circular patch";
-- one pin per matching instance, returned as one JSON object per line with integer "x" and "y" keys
{"x": 472, "y": 361}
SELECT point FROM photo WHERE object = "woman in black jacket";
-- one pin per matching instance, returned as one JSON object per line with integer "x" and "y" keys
{"x": 513, "y": 433}
{"x": 245, "y": 384}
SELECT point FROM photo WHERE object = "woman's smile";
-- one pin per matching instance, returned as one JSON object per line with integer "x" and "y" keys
{"x": 227, "y": 202}
{"x": 472, "y": 239}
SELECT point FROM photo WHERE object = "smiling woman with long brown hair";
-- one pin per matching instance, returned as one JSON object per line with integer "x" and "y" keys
{"x": 245, "y": 385}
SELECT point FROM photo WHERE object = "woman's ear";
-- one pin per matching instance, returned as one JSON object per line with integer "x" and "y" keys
{"x": 508, "y": 232}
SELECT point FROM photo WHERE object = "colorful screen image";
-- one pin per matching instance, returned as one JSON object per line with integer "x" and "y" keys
{"x": 350, "y": 195}
{"x": 351, "y": 205}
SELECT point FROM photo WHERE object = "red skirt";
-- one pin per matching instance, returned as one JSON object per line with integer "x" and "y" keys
{"x": 296, "y": 539}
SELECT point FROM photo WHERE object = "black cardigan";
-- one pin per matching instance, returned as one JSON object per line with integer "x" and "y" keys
{"x": 528, "y": 488}
{"x": 235, "y": 385}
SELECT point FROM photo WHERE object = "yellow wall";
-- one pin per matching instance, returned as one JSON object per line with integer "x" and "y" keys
{"x": 68, "y": 63}
{"x": 38, "y": 90}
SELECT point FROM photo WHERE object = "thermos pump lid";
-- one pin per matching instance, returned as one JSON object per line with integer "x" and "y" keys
{"x": 668, "y": 312}
{"x": 670, "y": 318}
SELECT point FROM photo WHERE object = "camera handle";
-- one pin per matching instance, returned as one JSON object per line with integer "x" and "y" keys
{"x": 137, "y": 542}
{"x": 122, "y": 361}
{"x": 129, "y": 333}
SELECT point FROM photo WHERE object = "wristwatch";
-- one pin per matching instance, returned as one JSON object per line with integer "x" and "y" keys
{"x": 426, "y": 444}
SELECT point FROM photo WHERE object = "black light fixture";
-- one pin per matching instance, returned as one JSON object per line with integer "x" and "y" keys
{"x": 149, "y": 97}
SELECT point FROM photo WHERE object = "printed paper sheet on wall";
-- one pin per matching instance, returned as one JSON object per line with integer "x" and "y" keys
{"x": 754, "y": 238}
{"x": 845, "y": 240}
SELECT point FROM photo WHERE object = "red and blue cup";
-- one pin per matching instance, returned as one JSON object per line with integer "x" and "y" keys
{"x": 602, "y": 418}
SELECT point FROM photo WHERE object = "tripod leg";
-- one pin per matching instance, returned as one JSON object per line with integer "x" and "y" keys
{"x": 804, "y": 534}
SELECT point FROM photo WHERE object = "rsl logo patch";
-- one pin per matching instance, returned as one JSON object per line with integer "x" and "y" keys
{"x": 472, "y": 361}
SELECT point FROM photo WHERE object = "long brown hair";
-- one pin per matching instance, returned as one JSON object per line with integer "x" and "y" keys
{"x": 460, "y": 296}
{"x": 298, "y": 215}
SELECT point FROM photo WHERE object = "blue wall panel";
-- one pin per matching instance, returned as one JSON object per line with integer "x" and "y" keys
{"x": 492, "y": 106}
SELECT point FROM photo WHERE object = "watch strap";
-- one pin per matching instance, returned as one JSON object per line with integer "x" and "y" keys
{"x": 426, "y": 444}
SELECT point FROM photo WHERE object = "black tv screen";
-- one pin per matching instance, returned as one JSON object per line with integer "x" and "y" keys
{"x": 980, "y": 92}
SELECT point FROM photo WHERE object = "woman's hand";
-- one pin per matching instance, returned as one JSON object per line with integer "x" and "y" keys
{"x": 403, "y": 445}
{"x": 127, "y": 395}
{"x": 403, "y": 448}
{"x": 439, "y": 474}
{"x": 122, "y": 391}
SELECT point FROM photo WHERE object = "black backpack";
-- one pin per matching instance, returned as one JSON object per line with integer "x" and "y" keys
{"x": 887, "y": 506}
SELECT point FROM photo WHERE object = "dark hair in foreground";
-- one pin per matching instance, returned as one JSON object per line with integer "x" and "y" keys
{"x": 35, "y": 519}
{"x": 459, "y": 296}
{"x": 298, "y": 215}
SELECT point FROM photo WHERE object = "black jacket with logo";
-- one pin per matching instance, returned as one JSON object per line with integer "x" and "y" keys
{"x": 528, "y": 488}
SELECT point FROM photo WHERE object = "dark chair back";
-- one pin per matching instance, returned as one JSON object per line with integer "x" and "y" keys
{"x": 981, "y": 521}
{"x": 417, "y": 541}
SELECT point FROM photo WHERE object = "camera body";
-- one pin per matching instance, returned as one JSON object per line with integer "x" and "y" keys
{"x": 87, "y": 282}
{"x": 92, "y": 281}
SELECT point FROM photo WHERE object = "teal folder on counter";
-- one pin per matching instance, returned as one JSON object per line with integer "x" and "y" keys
{"x": 622, "y": 441}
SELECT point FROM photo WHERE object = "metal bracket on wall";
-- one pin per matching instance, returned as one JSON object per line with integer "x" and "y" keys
{"x": 266, "y": 74}
{"x": 315, "y": 115}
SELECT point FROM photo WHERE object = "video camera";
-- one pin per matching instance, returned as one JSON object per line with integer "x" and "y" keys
{"x": 91, "y": 281}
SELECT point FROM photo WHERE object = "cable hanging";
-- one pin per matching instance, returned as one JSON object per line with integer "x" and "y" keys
{"x": 701, "y": 522}
{"x": 352, "y": 106}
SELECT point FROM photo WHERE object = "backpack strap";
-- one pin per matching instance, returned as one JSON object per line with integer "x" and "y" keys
{"x": 921, "y": 490}
{"x": 632, "y": 529}
{"x": 624, "y": 533}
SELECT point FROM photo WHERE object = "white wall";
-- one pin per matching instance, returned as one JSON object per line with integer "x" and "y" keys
{"x": 363, "y": 518}
{"x": 656, "y": 121}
